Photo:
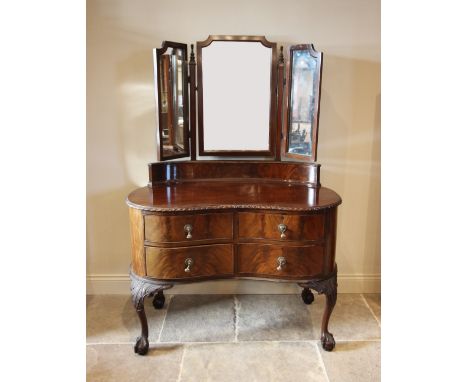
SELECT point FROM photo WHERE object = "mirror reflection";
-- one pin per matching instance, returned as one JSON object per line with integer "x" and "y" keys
{"x": 304, "y": 72}
{"x": 173, "y": 119}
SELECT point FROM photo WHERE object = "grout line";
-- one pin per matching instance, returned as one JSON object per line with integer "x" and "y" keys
{"x": 164, "y": 319}
{"x": 230, "y": 342}
{"x": 368, "y": 306}
{"x": 321, "y": 360}
{"x": 181, "y": 364}
{"x": 236, "y": 318}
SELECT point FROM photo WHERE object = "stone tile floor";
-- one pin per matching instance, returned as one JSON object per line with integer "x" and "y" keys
{"x": 234, "y": 338}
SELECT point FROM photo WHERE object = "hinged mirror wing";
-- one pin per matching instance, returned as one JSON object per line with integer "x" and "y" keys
{"x": 302, "y": 103}
{"x": 172, "y": 100}
{"x": 237, "y": 78}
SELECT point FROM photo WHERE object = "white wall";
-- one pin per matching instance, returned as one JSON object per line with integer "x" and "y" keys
{"x": 121, "y": 118}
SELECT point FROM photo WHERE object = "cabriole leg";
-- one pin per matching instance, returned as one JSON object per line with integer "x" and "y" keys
{"x": 141, "y": 289}
{"x": 142, "y": 345}
{"x": 328, "y": 342}
{"x": 328, "y": 287}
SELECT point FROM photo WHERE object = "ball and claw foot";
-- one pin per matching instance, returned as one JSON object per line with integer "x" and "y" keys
{"x": 158, "y": 301}
{"x": 307, "y": 296}
{"x": 328, "y": 342}
{"x": 141, "y": 346}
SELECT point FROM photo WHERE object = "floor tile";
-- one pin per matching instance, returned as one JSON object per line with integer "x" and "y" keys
{"x": 350, "y": 320}
{"x": 353, "y": 362}
{"x": 252, "y": 361}
{"x": 199, "y": 318}
{"x": 113, "y": 319}
{"x": 119, "y": 363}
{"x": 274, "y": 317}
{"x": 373, "y": 299}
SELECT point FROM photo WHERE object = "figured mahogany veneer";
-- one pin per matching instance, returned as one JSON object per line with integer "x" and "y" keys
{"x": 234, "y": 211}
{"x": 301, "y": 262}
{"x": 207, "y": 260}
{"x": 166, "y": 229}
{"x": 137, "y": 240}
{"x": 257, "y": 225}
{"x": 290, "y": 172}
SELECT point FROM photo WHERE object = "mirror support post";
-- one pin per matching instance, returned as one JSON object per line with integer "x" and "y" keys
{"x": 279, "y": 109}
{"x": 193, "y": 111}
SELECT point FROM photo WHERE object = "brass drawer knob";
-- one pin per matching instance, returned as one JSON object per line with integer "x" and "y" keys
{"x": 188, "y": 230}
{"x": 188, "y": 265}
{"x": 281, "y": 263}
{"x": 282, "y": 229}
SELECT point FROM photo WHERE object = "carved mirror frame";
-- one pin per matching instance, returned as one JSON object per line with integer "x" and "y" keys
{"x": 318, "y": 56}
{"x": 273, "y": 107}
{"x": 159, "y": 53}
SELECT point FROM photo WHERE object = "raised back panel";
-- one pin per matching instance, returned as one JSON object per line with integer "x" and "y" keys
{"x": 267, "y": 170}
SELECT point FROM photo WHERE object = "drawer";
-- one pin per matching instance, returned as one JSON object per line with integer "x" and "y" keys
{"x": 263, "y": 260}
{"x": 188, "y": 228}
{"x": 268, "y": 226}
{"x": 206, "y": 260}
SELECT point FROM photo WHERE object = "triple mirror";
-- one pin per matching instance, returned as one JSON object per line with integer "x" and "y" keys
{"x": 248, "y": 105}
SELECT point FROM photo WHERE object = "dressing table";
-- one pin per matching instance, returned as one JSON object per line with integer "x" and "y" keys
{"x": 230, "y": 216}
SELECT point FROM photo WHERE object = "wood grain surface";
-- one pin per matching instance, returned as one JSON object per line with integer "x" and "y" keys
{"x": 234, "y": 169}
{"x": 208, "y": 260}
{"x": 260, "y": 260}
{"x": 166, "y": 229}
{"x": 265, "y": 226}
{"x": 137, "y": 239}
{"x": 209, "y": 195}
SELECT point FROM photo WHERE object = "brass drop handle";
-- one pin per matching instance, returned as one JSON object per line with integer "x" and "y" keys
{"x": 281, "y": 263}
{"x": 188, "y": 265}
{"x": 188, "y": 229}
{"x": 282, "y": 229}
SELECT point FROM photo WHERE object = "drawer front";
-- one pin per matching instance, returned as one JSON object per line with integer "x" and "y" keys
{"x": 268, "y": 226}
{"x": 264, "y": 260}
{"x": 172, "y": 263}
{"x": 188, "y": 228}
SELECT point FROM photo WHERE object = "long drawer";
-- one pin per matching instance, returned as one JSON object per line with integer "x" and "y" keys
{"x": 189, "y": 262}
{"x": 257, "y": 225}
{"x": 280, "y": 261}
{"x": 188, "y": 228}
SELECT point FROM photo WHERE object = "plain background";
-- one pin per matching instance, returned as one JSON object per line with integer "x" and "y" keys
{"x": 121, "y": 117}
{"x": 43, "y": 156}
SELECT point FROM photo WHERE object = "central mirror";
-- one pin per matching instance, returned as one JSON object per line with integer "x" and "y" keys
{"x": 236, "y": 96}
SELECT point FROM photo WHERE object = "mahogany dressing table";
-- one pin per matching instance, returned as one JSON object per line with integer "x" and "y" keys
{"x": 265, "y": 219}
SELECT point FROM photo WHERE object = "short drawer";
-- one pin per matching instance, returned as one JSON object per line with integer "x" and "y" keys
{"x": 189, "y": 262}
{"x": 281, "y": 227}
{"x": 280, "y": 261}
{"x": 188, "y": 228}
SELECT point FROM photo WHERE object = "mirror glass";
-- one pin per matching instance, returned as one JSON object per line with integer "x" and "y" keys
{"x": 304, "y": 77}
{"x": 172, "y": 86}
{"x": 236, "y": 96}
